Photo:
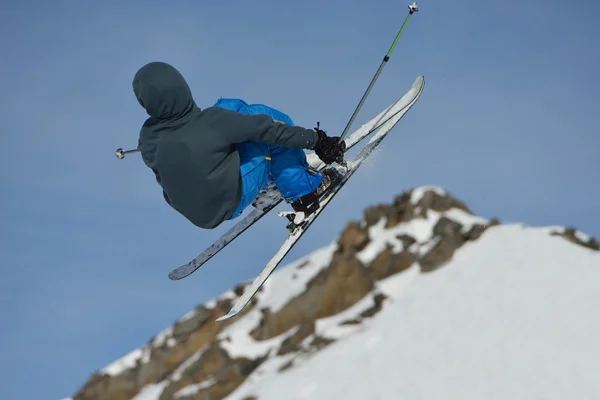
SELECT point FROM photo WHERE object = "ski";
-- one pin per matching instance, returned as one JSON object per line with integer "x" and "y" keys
{"x": 269, "y": 198}
{"x": 298, "y": 229}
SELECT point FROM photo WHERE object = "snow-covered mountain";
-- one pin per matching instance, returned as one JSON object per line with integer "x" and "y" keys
{"x": 420, "y": 299}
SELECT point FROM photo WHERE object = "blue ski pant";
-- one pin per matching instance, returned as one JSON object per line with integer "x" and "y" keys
{"x": 260, "y": 162}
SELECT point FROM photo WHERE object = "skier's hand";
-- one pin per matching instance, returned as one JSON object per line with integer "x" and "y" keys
{"x": 329, "y": 149}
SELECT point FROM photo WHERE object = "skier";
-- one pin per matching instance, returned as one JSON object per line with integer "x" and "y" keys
{"x": 212, "y": 163}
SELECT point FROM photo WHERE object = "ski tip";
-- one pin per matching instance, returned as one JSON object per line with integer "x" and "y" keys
{"x": 230, "y": 314}
{"x": 419, "y": 81}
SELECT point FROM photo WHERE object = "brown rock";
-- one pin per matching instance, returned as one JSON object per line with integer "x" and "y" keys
{"x": 292, "y": 343}
{"x": 375, "y": 213}
{"x": 320, "y": 342}
{"x": 331, "y": 291}
{"x": 182, "y": 329}
{"x": 286, "y": 366}
{"x": 353, "y": 239}
{"x": 387, "y": 263}
{"x": 448, "y": 234}
{"x": 378, "y": 299}
{"x": 440, "y": 253}
{"x": 406, "y": 240}
{"x": 369, "y": 312}
{"x": 493, "y": 222}
{"x": 214, "y": 364}
{"x": 475, "y": 232}
{"x": 106, "y": 387}
{"x": 447, "y": 227}
{"x": 433, "y": 201}
{"x": 402, "y": 210}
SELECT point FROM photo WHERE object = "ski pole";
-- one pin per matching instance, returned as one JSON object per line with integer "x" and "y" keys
{"x": 412, "y": 9}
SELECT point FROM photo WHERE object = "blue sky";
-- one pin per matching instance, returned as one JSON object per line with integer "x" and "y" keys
{"x": 508, "y": 123}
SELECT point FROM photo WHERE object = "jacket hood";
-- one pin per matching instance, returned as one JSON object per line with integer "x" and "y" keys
{"x": 162, "y": 91}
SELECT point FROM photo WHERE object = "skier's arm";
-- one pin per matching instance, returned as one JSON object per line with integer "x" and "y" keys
{"x": 240, "y": 128}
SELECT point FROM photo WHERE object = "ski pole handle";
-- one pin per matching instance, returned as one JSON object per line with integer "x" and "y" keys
{"x": 120, "y": 153}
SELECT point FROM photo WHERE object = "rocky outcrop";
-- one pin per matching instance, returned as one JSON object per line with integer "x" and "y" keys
{"x": 448, "y": 236}
{"x": 215, "y": 366}
{"x": 331, "y": 291}
{"x": 161, "y": 356}
{"x": 191, "y": 358}
{"x": 432, "y": 200}
{"x": 388, "y": 263}
{"x": 401, "y": 210}
{"x": 354, "y": 238}
{"x": 572, "y": 236}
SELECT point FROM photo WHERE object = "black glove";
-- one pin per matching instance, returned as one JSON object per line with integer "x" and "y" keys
{"x": 329, "y": 149}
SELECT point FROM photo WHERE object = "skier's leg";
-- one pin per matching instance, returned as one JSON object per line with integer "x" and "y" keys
{"x": 254, "y": 169}
{"x": 290, "y": 170}
{"x": 292, "y": 174}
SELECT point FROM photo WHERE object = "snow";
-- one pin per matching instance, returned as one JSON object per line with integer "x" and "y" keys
{"x": 464, "y": 218}
{"x": 512, "y": 315}
{"x": 163, "y": 337}
{"x": 420, "y": 229}
{"x": 124, "y": 363}
{"x": 193, "y": 389}
{"x": 151, "y": 391}
{"x": 418, "y": 193}
{"x": 238, "y": 342}
{"x": 582, "y": 236}
{"x": 230, "y": 294}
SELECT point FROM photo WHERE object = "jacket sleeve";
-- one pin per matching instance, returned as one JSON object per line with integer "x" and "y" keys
{"x": 239, "y": 128}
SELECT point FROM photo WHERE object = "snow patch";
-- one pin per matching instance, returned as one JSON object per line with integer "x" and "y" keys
{"x": 423, "y": 249}
{"x": 228, "y": 295}
{"x": 236, "y": 339}
{"x": 151, "y": 391}
{"x": 465, "y": 219}
{"x": 418, "y": 193}
{"x": 127, "y": 362}
{"x": 582, "y": 236}
{"x": 188, "y": 316}
{"x": 420, "y": 229}
{"x": 395, "y": 286}
{"x": 163, "y": 337}
{"x": 191, "y": 390}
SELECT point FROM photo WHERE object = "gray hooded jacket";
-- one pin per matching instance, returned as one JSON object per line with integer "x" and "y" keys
{"x": 192, "y": 152}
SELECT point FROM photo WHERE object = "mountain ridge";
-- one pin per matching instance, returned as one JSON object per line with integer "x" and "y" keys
{"x": 308, "y": 305}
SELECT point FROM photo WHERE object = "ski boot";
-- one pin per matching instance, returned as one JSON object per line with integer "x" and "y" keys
{"x": 309, "y": 203}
